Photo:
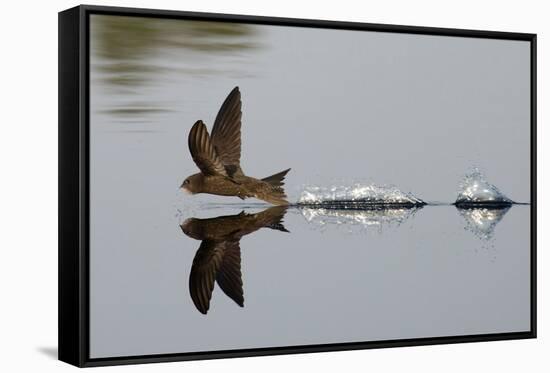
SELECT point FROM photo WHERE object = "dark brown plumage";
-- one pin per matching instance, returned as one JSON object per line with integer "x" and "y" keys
{"x": 218, "y": 158}
{"x": 218, "y": 259}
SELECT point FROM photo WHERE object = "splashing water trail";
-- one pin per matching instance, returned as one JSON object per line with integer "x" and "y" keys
{"x": 357, "y": 205}
{"x": 475, "y": 189}
{"x": 358, "y": 196}
{"x": 377, "y": 219}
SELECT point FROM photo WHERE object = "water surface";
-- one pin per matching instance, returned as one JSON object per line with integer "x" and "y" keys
{"x": 340, "y": 108}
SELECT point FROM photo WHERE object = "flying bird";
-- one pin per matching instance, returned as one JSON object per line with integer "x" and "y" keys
{"x": 218, "y": 156}
{"x": 218, "y": 258}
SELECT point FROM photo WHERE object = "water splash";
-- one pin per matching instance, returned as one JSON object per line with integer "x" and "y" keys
{"x": 482, "y": 221}
{"x": 352, "y": 220}
{"x": 475, "y": 190}
{"x": 357, "y": 196}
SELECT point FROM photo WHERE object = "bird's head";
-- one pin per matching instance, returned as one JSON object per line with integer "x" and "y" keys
{"x": 192, "y": 228}
{"x": 193, "y": 183}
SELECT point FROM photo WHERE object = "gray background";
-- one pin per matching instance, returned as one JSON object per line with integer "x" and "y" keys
{"x": 336, "y": 106}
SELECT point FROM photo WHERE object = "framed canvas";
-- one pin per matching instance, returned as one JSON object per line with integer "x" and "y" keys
{"x": 236, "y": 186}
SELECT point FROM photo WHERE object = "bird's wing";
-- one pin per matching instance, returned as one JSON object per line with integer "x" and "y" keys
{"x": 229, "y": 276}
{"x": 203, "y": 152}
{"x": 204, "y": 269}
{"x": 226, "y": 133}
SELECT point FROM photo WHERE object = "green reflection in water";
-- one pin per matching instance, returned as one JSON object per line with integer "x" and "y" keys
{"x": 124, "y": 47}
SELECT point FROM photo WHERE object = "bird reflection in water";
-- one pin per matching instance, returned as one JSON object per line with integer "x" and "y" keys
{"x": 218, "y": 259}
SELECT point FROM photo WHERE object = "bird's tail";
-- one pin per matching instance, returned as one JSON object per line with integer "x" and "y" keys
{"x": 277, "y": 194}
{"x": 273, "y": 217}
{"x": 277, "y": 180}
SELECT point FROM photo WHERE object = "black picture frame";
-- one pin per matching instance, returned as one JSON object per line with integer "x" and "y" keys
{"x": 74, "y": 176}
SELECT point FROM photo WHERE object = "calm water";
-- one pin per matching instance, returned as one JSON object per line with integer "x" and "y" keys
{"x": 335, "y": 276}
